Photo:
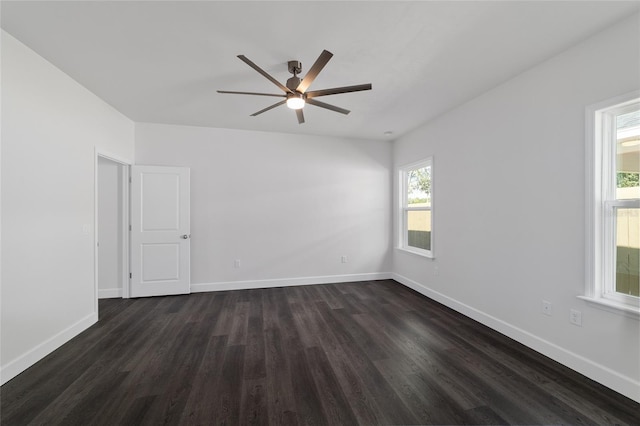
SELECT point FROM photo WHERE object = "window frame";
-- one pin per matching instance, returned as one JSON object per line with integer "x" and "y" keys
{"x": 403, "y": 208}
{"x": 602, "y": 206}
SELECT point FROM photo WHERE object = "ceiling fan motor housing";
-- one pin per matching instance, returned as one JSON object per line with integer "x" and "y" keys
{"x": 293, "y": 83}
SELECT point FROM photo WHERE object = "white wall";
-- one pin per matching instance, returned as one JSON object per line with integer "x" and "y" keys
{"x": 50, "y": 129}
{"x": 287, "y": 206}
{"x": 110, "y": 223}
{"x": 510, "y": 208}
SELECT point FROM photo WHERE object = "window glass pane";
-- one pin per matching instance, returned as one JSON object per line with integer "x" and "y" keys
{"x": 419, "y": 229}
{"x": 419, "y": 187}
{"x": 628, "y": 251}
{"x": 628, "y": 155}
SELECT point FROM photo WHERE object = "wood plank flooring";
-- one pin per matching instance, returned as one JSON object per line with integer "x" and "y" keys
{"x": 338, "y": 354}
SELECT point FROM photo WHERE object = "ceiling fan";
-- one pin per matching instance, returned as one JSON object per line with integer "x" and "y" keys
{"x": 295, "y": 91}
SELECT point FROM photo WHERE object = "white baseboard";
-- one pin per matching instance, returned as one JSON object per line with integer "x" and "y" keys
{"x": 601, "y": 374}
{"x": 109, "y": 293}
{"x": 18, "y": 365}
{"x": 287, "y": 282}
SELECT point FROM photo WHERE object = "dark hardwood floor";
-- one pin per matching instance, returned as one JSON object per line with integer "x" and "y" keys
{"x": 340, "y": 354}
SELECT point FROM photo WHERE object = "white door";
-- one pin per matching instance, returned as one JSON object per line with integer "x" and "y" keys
{"x": 160, "y": 231}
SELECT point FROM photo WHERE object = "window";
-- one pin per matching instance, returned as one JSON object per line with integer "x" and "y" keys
{"x": 613, "y": 211}
{"x": 416, "y": 208}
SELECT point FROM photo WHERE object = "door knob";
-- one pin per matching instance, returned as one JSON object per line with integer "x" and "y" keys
{"x": 185, "y": 236}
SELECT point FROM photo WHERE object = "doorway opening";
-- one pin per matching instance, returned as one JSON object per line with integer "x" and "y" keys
{"x": 112, "y": 228}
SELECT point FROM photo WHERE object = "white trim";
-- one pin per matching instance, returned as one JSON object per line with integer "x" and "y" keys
{"x": 599, "y": 256}
{"x": 612, "y": 306}
{"x": 126, "y": 267}
{"x": 110, "y": 293}
{"x": 125, "y": 173}
{"x": 288, "y": 282}
{"x": 601, "y": 374}
{"x": 426, "y": 161}
{"x": 113, "y": 157}
{"x": 95, "y": 230}
{"x": 402, "y": 239}
{"x": 29, "y": 358}
{"x": 417, "y": 252}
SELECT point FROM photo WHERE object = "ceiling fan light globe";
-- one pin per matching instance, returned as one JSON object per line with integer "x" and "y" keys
{"x": 295, "y": 102}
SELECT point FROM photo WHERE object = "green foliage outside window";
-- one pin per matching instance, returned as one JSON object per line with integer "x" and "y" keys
{"x": 419, "y": 185}
{"x": 628, "y": 179}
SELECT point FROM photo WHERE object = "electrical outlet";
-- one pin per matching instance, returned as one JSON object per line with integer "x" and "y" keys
{"x": 547, "y": 308}
{"x": 575, "y": 317}
{"x": 236, "y": 263}
{"x": 344, "y": 259}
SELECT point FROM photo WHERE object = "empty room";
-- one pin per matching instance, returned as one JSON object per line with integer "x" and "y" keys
{"x": 320, "y": 212}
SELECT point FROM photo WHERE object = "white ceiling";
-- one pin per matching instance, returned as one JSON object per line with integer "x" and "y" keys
{"x": 162, "y": 61}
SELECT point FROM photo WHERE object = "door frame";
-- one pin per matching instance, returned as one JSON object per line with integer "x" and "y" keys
{"x": 124, "y": 212}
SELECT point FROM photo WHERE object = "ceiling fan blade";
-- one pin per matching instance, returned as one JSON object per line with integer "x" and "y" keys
{"x": 300, "y": 116}
{"x": 314, "y": 71}
{"x": 264, "y": 73}
{"x": 337, "y": 90}
{"x": 268, "y": 108}
{"x": 251, "y": 93}
{"x": 327, "y": 106}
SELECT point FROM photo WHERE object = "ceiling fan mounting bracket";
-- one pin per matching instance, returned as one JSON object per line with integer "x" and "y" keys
{"x": 295, "y": 67}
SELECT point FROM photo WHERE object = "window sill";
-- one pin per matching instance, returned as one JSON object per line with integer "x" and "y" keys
{"x": 416, "y": 252}
{"x": 612, "y": 306}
